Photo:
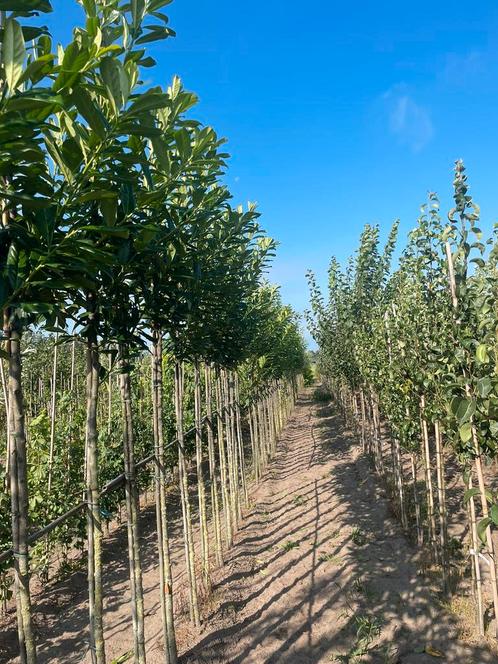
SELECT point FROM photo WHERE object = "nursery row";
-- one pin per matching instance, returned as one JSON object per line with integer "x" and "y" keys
{"x": 411, "y": 354}
{"x": 127, "y": 281}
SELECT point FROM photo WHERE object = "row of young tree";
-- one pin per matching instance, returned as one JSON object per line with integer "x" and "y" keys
{"x": 127, "y": 280}
{"x": 411, "y": 356}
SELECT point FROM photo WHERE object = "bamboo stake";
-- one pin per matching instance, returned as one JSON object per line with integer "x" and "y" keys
{"x": 7, "y": 423}
{"x": 416, "y": 500}
{"x": 132, "y": 507}
{"x": 475, "y": 558}
{"x": 443, "y": 522}
{"x": 165, "y": 576}
{"x": 183, "y": 479}
{"x": 431, "y": 517}
{"x": 201, "y": 489}
{"x": 240, "y": 441}
{"x": 213, "y": 479}
{"x": 19, "y": 495}
{"x": 94, "y": 526}
{"x": 225, "y": 496}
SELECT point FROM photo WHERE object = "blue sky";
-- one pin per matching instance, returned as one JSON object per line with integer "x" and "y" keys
{"x": 338, "y": 114}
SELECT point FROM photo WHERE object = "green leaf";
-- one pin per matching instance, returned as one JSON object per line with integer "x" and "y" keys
{"x": 156, "y": 33}
{"x": 493, "y": 513}
{"x": 137, "y": 12}
{"x": 109, "y": 209}
{"x": 465, "y": 432}
{"x": 37, "y": 69}
{"x": 96, "y": 195}
{"x": 25, "y": 6}
{"x": 90, "y": 7}
{"x": 182, "y": 138}
{"x": 148, "y": 102}
{"x": 90, "y": 112}
{"x": 13, "y": 53}
{"x": 462, "y": 409}
{"x": 116, "y": 81}
{"x": 110, "y": 231}
{"x": 484, "y": 386}
{"x": 482, "y": 353}
{"x": 470, "y": 493}
{"x": 482, "y": 527}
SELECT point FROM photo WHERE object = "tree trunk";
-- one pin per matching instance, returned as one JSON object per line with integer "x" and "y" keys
{"x": 240, "y": 439}
{"x": 7, "y": 424}
{"x": 132, "y": 507}
{"x": 443, "y": 522}
{"x": 225, "y": 495}
{"x": 475, "y": 558}
{"x": 213, "y": 478}
{"x": 183, "y": 479}
{"x": 431, "y": 518}
{"x": 166, "y": 580}
{"x": 19, "y": 494}
{"x": 201, "y": 489}
{"x": 416, "y": 500}
{"x": 94, "y": 526}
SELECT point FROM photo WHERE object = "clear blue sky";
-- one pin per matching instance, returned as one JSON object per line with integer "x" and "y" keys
{"x": 338, "y": 113}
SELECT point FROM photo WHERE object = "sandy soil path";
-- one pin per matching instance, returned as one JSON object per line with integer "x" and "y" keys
{"x": 297, "y": 586}
{"x": 317, "y": 556}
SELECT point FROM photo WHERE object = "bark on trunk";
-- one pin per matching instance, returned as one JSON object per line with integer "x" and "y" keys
{"x": 166, "y": 580}
{"x": 94, "y": 525}
{"x": 187, "y": 519}
{"x": 133, "y": 508}
{"x": 19, "y": 495}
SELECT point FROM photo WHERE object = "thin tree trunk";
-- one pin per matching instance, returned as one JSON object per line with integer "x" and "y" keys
{"x": 232, "y": 478}
{"x": 53, "y": 408}
{"x": 225, "y": 495}
{"x": 475, "y": 558}
{"x": 401, "y": 483}
{"x": 166, "y": 581}
{"x": 363, "y": 423}
{"x": 94, "y": 526}
{"x": 183, "y": 479}
{"x": 213, "y": 478}
{"x": 7, "y": 424}
{"x": 431, "y": 518}
{"x": 254, "y": 444}
{"x": 132, "y": 506}
{"x": 240, "y": 440}
{"x": 165, "y": 576}
{"x": 201, "y": 489}
{"x": 19, "y": 494}
{"x": 443, "y": 522}
{"x": 416, "y": 500}
{"x": 489, "y": 537}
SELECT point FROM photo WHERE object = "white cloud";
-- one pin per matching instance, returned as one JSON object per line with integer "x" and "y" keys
{"x": 409, "y": 121}
{"x": 460, "y": 70}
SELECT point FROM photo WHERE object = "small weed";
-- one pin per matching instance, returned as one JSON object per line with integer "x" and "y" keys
{"x": 123, "y": 658}
{"x": 367, "y": 629}
{"x": 298, "y": 500}
{"x": 358, "y": 586}
{"x": 361, "y": 587}
{"x": 390, "y": 654}
{"x": 329, "y": 558}
{"x": 289, "y": 545}
{"x": 358, "y": 537}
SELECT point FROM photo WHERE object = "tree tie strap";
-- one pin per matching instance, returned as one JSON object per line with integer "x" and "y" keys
{"x": 473, "y": 552}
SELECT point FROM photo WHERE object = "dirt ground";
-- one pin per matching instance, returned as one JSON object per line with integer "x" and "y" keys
{"x": 319, "y": 569}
